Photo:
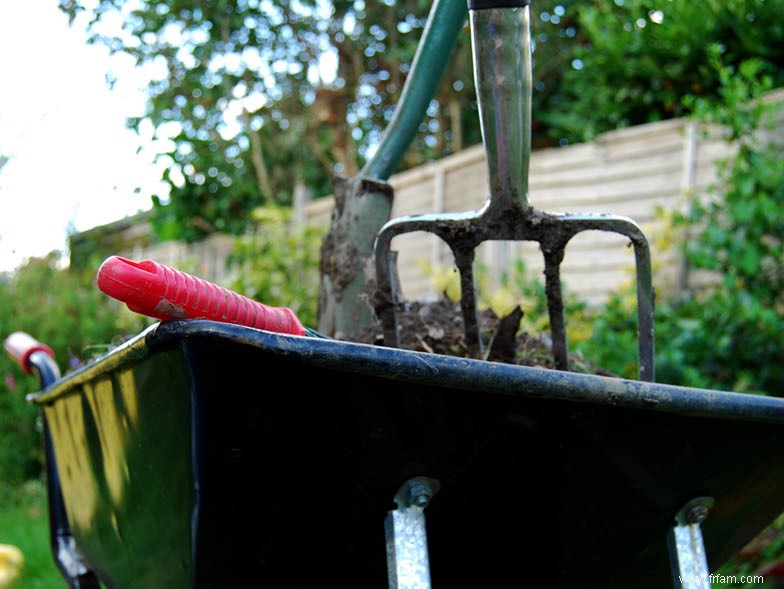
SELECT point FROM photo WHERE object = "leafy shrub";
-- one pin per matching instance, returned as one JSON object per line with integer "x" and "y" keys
{"x": 278, "y": 263}
{"x": 726, "y": 335}
{"x": 639, "y": 61}
{"x": 63, "y": 309}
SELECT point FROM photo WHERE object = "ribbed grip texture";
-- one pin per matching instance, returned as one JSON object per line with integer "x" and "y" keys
{"x": 164, "y": 293}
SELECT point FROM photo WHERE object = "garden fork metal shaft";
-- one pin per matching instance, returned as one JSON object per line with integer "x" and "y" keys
{"x": 501, "y": 42}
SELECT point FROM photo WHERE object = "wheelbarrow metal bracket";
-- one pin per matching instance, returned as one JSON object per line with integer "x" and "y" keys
{"x": 408, "y": 563}
{"x": 687, "y": 549}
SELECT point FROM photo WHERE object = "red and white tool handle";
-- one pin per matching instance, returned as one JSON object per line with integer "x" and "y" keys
{"x": 21, "y": 346}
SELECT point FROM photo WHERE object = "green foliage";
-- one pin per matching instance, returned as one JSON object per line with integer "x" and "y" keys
{"x": 685, "y": 355}
{"x": 612, "y": 343}
{"x": 250, "y": 107}
{"x": 740, "y": 235}
{"x": 24, "y": 523}
{"x": 763, "y": 551}
{"x": 726, "y": 335}
{"x": 255, "y": 98}
{"x": 279, "y": 263}
{"x": 202, "y": 204}
{"x": 641, "y": 59}
{"x": 64, "y": 310}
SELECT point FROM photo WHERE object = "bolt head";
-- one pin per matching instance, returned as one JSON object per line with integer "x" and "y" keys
{"x": 419, "y": 495}
{"x": 696, "y": 514}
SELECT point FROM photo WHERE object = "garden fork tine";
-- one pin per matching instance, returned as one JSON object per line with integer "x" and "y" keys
{"x": 501, "y": 43}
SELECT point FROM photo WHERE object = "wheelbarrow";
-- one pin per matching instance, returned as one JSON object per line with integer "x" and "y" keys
{"x": 205, "y": 453}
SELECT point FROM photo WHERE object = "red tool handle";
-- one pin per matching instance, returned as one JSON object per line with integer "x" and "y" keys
{"x": 20, "y": 346}
{"x": 164, "y": 293}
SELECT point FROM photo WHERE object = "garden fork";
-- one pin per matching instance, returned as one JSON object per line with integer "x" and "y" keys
{"x": 501, "y": 41}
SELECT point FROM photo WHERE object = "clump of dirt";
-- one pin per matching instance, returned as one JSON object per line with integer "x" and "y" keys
{"x": 437, "y": 327}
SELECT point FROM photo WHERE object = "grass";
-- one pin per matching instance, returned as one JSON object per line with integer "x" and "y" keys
{"x": 24, "y": 524}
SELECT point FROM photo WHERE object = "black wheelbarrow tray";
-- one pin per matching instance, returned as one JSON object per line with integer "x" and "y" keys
{"x": 203, "y": 454}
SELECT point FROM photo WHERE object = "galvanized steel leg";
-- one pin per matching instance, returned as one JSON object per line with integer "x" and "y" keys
{"x": 687, "y": 550}
{"x": 408, "y": 564}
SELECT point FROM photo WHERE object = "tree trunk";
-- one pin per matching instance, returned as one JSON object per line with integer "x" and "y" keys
{"x": 455, "y": 118}
{"x": 257, "y": 158}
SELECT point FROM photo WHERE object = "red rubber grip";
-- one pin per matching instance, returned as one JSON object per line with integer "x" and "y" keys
{"x": 20, "y": 346}
{"x": 164, "y": 293}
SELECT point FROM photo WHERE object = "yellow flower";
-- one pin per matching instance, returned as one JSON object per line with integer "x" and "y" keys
{"x": 11, "y": 563}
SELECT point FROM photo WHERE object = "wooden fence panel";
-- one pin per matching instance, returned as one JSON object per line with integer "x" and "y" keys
{"x": 644, "y": 172}
{"x": 632, "y": 172}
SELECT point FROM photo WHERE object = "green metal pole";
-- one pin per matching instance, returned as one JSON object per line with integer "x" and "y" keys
{"x": 444, "y": 23}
